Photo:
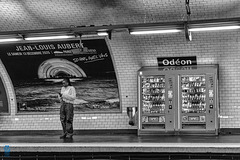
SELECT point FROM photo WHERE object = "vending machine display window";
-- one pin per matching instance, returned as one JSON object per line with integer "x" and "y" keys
{"x": 193, "y": 94}
{"x": 153, "y": 102}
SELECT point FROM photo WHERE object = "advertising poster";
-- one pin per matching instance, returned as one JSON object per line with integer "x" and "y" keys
{"x": 36, "y": 70}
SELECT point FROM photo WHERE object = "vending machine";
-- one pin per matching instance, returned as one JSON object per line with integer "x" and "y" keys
{"x": 178, "y": 100}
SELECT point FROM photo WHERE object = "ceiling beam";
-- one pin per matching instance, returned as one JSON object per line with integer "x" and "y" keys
{"x": 122, "y": 27}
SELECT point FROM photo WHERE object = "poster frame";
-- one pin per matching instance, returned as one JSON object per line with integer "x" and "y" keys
{"x": 56, "y": 113}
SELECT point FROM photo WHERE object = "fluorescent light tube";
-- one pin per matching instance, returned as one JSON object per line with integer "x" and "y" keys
{"x": 48, "y": 37}
{"x": 154, "y": 31}
{"x": 102, "y": 33}
{"x": 214, "y": 28}
{"x": 10, "y": 40}
{"x": 88, "y": 35}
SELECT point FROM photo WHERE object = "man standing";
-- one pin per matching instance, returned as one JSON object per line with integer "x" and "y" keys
{"x": 67, "y": 97}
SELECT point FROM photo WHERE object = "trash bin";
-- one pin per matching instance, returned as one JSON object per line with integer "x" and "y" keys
{"x": 132, "y": 115}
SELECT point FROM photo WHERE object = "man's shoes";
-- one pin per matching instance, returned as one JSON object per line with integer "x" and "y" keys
{"x": 63, "y": 136}
{"x": 69, "y": 136}
{"x": 66, "y": 135}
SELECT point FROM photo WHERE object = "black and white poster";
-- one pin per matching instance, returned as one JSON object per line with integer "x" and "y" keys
{"x": 36, "y": 70}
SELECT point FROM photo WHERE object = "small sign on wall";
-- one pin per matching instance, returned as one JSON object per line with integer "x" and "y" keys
{"x": 177, "y": 61}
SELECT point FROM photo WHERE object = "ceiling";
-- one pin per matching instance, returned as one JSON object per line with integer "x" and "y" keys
{"x": 50, "y": 14}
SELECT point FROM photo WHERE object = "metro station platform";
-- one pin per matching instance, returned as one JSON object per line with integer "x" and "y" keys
{"x": 99, "y": 144}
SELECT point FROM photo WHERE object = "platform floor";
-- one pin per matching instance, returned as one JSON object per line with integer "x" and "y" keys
{"x": 122, "y": 143}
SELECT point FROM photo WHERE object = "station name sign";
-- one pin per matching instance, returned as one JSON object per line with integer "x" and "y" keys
{"x": 177, "y": 61}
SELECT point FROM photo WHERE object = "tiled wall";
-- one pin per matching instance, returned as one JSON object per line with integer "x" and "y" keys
{"x": 131, "y": 52}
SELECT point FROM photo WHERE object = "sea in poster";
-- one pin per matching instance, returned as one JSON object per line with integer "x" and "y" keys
{"x": 37, "y": 70}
